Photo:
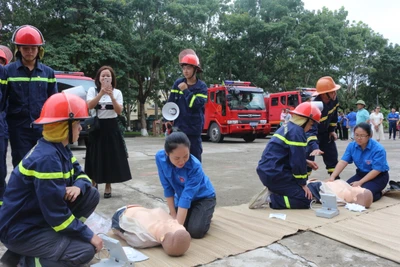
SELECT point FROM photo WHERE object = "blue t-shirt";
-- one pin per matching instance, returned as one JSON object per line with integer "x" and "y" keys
{"x": 185, "y": 184}
{"x": 352, "y": 117}
{"x": 393, "y": 117}
{"x": 373, "y": 157}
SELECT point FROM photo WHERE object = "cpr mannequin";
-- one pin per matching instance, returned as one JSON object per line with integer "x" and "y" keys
{"x": 344, "y": 192}
{"x": 142, "y": 227}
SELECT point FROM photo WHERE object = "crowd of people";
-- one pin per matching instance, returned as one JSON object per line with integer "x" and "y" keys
{"x": 49, "y": 195}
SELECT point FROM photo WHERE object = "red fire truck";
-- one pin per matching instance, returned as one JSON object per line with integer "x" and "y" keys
{"x": 276, "y": 102}
{"x": 235, "y": 109}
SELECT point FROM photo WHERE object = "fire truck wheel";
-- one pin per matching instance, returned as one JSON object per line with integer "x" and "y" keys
{"x": 248, "y": 138}
{"x": 215, "y": 133}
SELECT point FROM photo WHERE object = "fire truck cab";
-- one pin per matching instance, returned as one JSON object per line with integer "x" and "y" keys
{"x": 276, "y": 102}
{"x": 235, "y": 109}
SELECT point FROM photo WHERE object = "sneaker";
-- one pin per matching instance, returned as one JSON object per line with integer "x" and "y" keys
{"x": 260, "y": 200}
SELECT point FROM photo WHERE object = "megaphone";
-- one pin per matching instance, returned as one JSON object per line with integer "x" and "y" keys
{"x": 318, "y": 104}
{"x": 170, "y": 111}
{"x": 77, "y": 90}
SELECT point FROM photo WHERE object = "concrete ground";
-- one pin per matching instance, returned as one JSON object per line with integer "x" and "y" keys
{"x": 231, "y": 167}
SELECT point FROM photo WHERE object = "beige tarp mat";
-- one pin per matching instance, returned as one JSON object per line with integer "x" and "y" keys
{"x": 237, "y": 229}
{"x": 377, "y": 232}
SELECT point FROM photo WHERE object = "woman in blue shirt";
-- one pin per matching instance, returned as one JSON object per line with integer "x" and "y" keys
{"x": 189, "y": 192}
{"x": 370, "y": 159}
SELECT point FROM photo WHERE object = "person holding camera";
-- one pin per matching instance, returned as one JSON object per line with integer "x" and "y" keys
{"x": 106, "y": 160}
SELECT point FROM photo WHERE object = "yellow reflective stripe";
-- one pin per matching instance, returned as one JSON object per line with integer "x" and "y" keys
{"x": 37, "y": 262}
{"x": 313, "y": 137}
{"x": 287, "y": 203}
{"x": 308, "y": 173}
{"x": 73, "y": 159}
{"x": 329, "y": 112}
{"x": 176, "y": 91}
{"x": 1, "y": 203}
{"x": 300, "y": 176}
{"x": 82, "y": 219}
{"x": 332, "y": 124}
{"x": 43, "y": 175}
{"x": 83, "y": 176}
{"x": 3, "y": 81}
{"x": 33, "y": 79}
{"x": 191, "y": 101}
{"x": 202, "y": 95}
{"x": 330, "y": 169}
{"x": 290, "y": 143}
{"x": 64, "y": 224}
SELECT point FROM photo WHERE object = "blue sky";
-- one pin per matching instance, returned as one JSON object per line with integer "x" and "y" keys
{"x": 382, "y": 16}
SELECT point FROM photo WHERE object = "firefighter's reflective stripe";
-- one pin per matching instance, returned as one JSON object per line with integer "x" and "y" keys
{"x": 37, "y": 262}
{"x": 177, "y": 91}
{"x": 194, "y": 98}
{"x": 332, "y": 124}
{"x": 3, "y": 81}
{"x": 64, "y": 224}
{"x": 287, "y": 203}
{"x": 311, "y": 138}
{"x": 32, "y": 79}
{"x": 330, "y": 170}
{"x": 329, "y": 112}
{"x": 83, "y": 176}
{"x": 290, "y": 143}
{"x": 300, "y": 176}
{"x": 44, "y": 175}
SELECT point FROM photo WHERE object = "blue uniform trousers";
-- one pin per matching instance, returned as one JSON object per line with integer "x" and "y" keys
{"x": 392, "y": 128}
{"x": 52, "y": 249}
{"x": 21, "y": 141}
{"x": 199, "y": 215}
{"x": 286, "y": 194}
{"x": 196, "y": 148}
{"x": 375, "y": 185}
{"x": 3, "y": 166}
{"x": 330, "y": 156}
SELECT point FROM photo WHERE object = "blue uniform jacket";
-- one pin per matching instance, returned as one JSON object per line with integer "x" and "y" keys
{"x": 373, "y": 157}
{"x": 186, "y": 184}
{"x": 28, "y": 92}
{"x": 191, "y": 106}
{"x": 327, "y": 123}
{"x": 34, "y": 197}
{"x": 284, "y": 158}
{"x": 3, "y": 88}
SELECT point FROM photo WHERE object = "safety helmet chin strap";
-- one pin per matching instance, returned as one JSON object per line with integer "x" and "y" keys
{"x": 194, "y": 72}
{"x": 70, "y": 121}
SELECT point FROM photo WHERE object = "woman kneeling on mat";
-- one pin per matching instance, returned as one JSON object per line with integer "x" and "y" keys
{"x": 189, "y": 192}
{"x": 369, "y": 156}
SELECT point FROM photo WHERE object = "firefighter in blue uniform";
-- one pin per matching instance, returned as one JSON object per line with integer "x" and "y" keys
{"x": 48, "y": 196}
{"x": 3, "y": 136}
{"x": 30, "y": 83}
{"x": 321, "y": 138}
{"x": 190, "y": 94}
{"x": 283, "y": 164}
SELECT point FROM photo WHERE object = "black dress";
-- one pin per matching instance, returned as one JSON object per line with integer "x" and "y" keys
{"x": 106, "y": 160}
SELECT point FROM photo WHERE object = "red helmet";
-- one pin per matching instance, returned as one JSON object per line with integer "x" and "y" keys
{"x": 308, "y": 110}
{"x": 192, "y": 60}
{"x": 7, "y": 52}
{"x": 63, "y": 107}
{"x": 3, "y": 56}
{"x": 27, "y": 35}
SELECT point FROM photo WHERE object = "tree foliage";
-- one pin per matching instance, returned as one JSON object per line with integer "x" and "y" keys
{"x": 276, "y": 44}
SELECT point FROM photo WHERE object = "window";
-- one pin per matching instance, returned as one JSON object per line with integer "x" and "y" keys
{"x": 274, "y": 101}
{"x": 293, "y": 100}
{"x": 283, "y": 100}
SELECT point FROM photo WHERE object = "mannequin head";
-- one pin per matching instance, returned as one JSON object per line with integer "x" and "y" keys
{"x": 365, "y": 198}
{"x": 176, "y": 243}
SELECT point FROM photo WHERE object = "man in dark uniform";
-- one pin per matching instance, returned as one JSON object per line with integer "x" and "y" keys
{"x": 30, "y": 83}
{"x": 321, "y": 137}
{"x": 190, "y": 94}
